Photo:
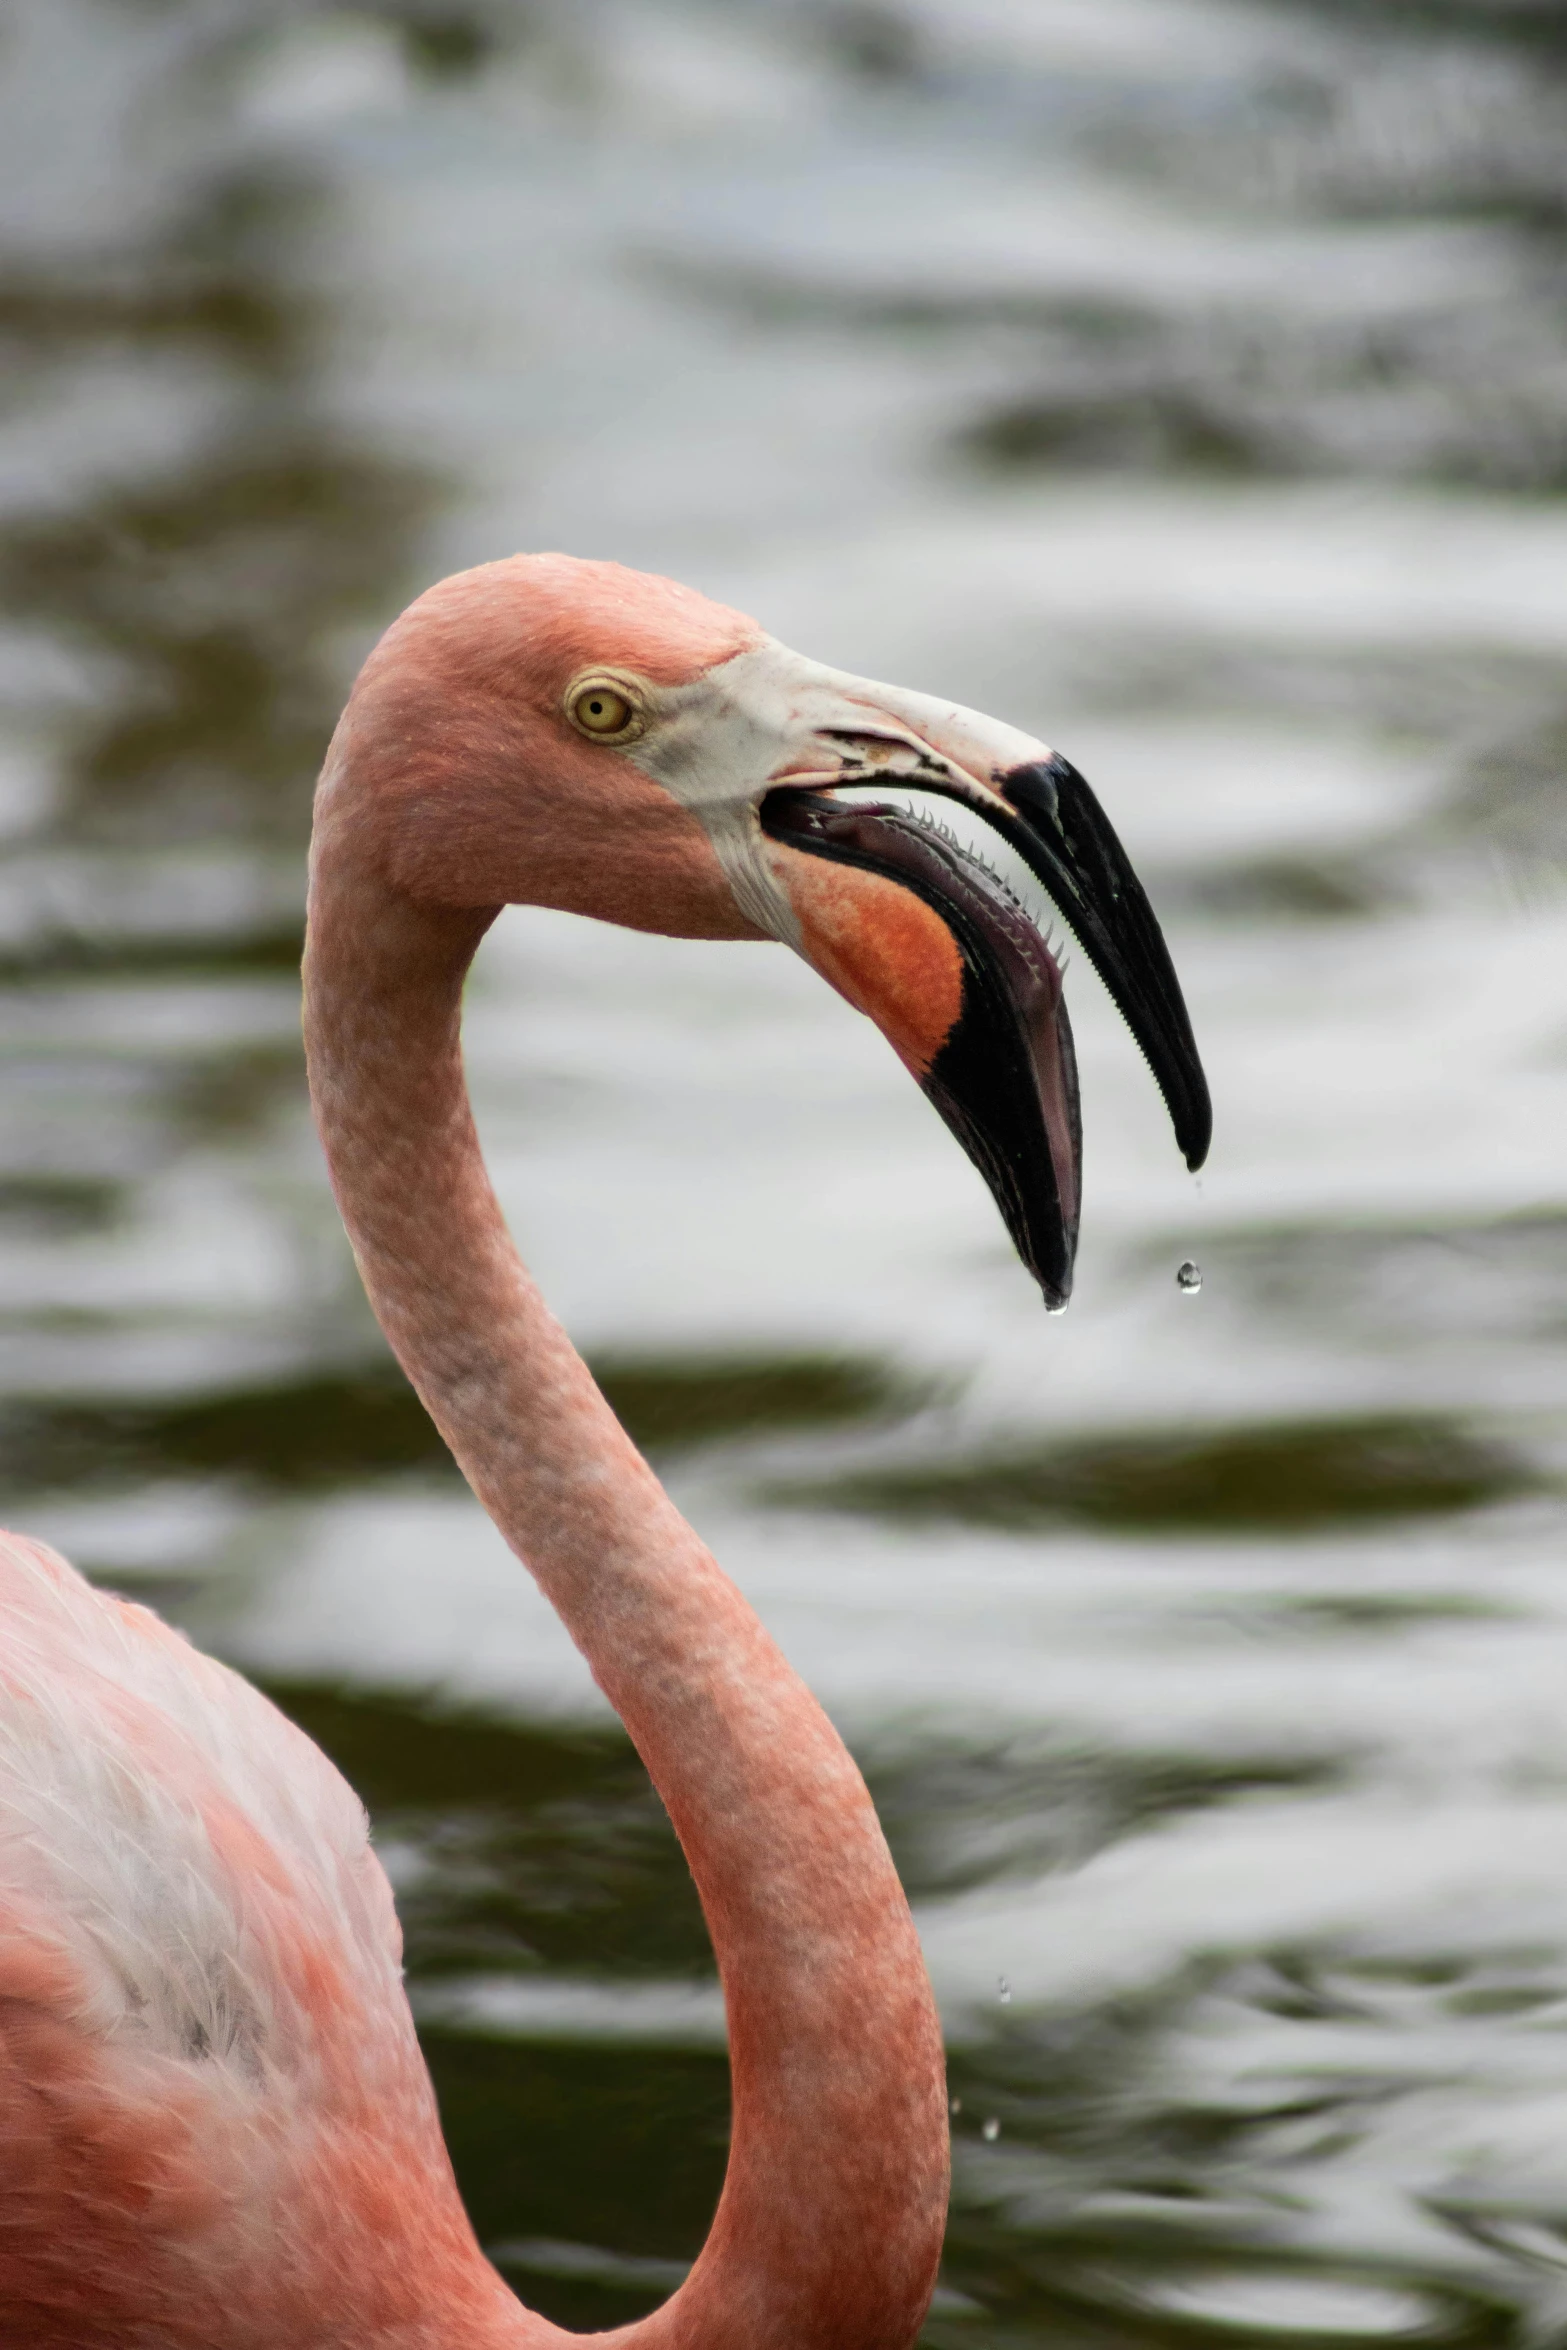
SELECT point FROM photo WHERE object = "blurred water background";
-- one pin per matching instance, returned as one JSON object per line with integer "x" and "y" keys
{"x": 1187, "y": 383}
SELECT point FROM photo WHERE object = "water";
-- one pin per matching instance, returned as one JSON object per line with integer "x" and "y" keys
{"x": 1188, "y": 1277}
{"x": 1186, "y": 384}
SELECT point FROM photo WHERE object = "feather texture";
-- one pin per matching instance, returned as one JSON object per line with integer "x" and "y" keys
{"x": 215, "y": 2123}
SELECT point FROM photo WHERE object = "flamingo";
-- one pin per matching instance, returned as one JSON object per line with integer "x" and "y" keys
{"x": 216, "y": 2128}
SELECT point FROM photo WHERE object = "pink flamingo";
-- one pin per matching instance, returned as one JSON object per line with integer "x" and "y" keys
{"x": 215, "y": 2125}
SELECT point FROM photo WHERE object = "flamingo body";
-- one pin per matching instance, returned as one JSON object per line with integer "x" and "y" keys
{"x": 215, "y": 2123}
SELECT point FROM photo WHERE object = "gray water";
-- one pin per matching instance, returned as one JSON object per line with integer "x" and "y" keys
{"x": 1187, "y": 384}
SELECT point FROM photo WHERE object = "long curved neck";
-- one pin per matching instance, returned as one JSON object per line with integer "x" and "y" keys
{"x": 829, "y": 2226}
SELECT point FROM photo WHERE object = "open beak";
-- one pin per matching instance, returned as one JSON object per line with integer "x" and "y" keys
{"x": 917, "y": 930}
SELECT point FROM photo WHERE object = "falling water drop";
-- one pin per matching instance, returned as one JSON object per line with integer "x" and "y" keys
{"x": 990, "y": 2131}
{"x": 1003, "y": 1991}
{"x": 1188, "y": 1277}
{"x": 955, "y": 2107}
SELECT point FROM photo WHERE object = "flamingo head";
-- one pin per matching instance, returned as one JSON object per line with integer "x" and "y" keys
{"x": 549, "y": 731}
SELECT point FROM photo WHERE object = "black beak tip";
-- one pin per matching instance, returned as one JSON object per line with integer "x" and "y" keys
{"x": 1194, "y": 1132}
{"x": 1048, "y": 1249}
{"x": 1074, "y": 852}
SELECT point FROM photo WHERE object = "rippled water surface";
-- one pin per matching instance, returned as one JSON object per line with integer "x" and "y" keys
{"x": 1185, "y": 383}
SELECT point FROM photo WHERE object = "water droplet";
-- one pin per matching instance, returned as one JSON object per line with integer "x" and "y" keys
{"x": 1189, "y": 1277}
{"x": 955, "y": 2107}
{"x": 990, "y": 2131}
{"x": 1003, "y": 1991}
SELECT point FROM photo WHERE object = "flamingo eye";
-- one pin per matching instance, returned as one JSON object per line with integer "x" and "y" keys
{"x": 601, "y": 709}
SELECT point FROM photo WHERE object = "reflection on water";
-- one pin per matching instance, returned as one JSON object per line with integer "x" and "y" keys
{"x": 1187, "y": 384}
{"x": 1275, "y": 1479}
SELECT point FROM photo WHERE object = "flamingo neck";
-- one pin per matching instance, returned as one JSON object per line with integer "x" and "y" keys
{"x": 829, "y": 2226}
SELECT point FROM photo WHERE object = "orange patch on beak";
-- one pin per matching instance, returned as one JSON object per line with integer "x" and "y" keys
{"x": 885, "y": 951}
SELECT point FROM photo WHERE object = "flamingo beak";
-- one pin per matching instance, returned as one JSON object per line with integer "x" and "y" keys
{"x": 916, "y": 929}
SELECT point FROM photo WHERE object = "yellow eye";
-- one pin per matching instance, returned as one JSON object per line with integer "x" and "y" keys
{"x": 598, "y": 709}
